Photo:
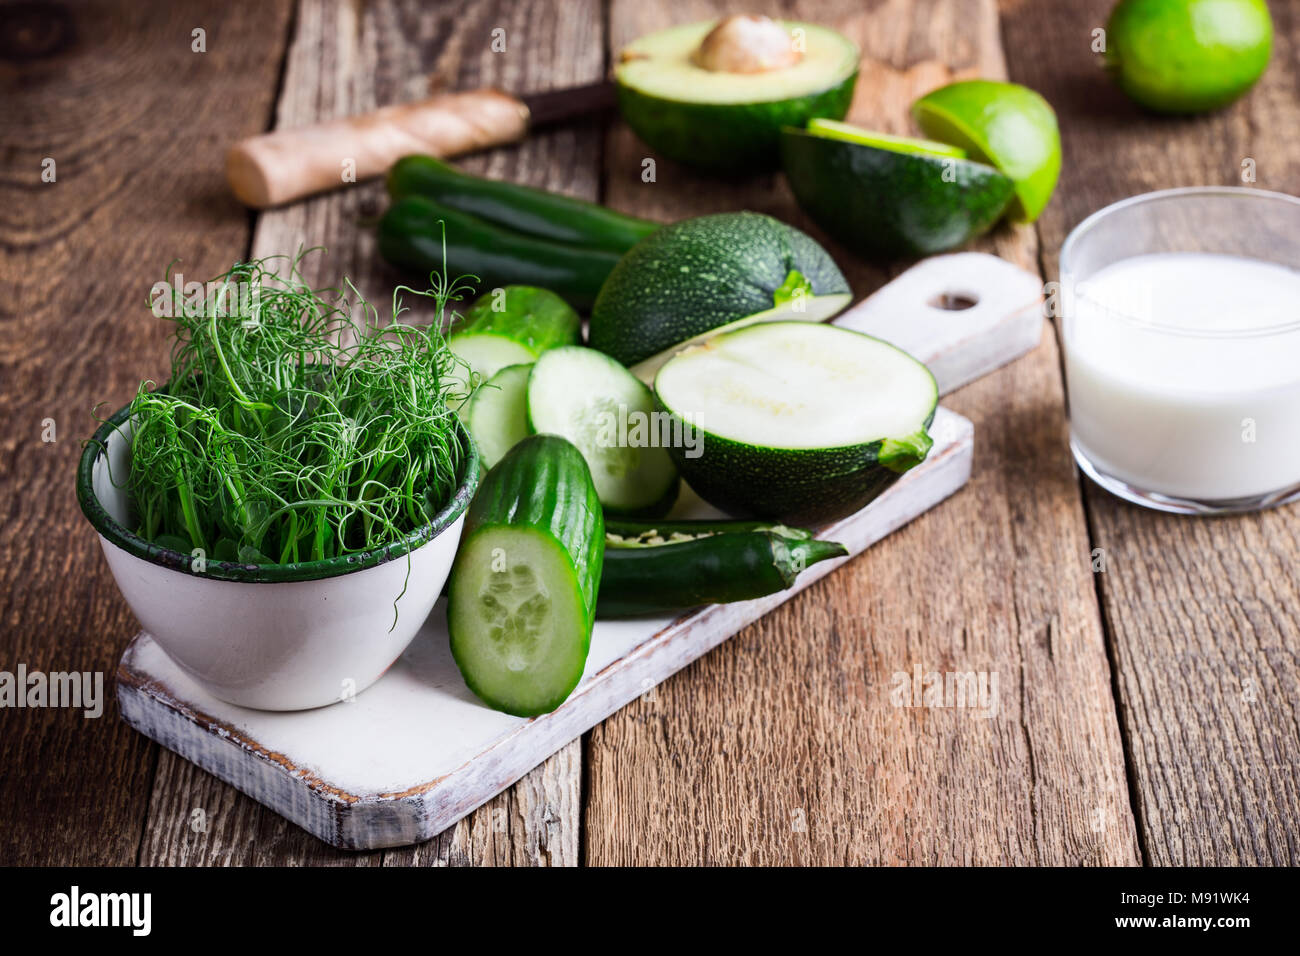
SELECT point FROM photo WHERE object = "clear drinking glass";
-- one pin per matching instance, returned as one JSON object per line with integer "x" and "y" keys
{"x": 1181, "y": 336}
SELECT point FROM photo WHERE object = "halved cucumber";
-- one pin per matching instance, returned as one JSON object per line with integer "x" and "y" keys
{"x": 590, "y": 399}
{"x": 522, "y": 592}
{"x": 798, "y": 422}
{"x": 498, "y": 413}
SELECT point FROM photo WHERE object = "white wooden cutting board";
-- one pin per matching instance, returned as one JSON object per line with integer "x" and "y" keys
{"x": 417, "y": 751}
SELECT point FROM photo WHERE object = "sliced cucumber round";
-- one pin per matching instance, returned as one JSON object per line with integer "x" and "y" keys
{"x": 498, "y": 413}
{"x": 489, "y": 352}
{"x": 523, "y": 642}
{"x": 594, "y": 402}
{"x": 522, "y": 593}
{"x": 798, "y": 422}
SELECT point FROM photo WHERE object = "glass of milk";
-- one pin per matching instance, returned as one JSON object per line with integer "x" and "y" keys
{"x": 1181, "y": 335}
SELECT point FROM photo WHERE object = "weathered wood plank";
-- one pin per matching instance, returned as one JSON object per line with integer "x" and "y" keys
{"x": 345, "y": 59}
{"x": 133, "y": 119}
{"x": 782, "y": 746}
{"x": 534, "y": 823}
{"x": 1202, "y": 614}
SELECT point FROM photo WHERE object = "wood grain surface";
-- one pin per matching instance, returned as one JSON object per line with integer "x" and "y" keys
{"x": 344, "y": 59}
{"x": 782, "y": 746}
{"x": 1203, "y": 614}
{"x": 1145, "y": 715}
{"x": 136, "y": 123}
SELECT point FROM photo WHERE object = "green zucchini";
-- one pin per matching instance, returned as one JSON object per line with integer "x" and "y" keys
{"x": 706, "y": 275}
{"x": 798, "y": 422}
{"x": 657, "y": 566}
{"x": 600, "y": 406}
{"x": 411, "y": 238}
{"x": 525, "y": 209}
{"x": 522, "y": 596}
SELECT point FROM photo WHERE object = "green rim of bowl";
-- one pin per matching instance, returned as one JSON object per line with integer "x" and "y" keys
{"x": 133, "y": 544}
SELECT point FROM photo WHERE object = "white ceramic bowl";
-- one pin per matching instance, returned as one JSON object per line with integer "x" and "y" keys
{"x": 274, "y": 637}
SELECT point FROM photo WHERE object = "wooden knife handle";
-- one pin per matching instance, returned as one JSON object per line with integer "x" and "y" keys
{"x": 288, "y": 164}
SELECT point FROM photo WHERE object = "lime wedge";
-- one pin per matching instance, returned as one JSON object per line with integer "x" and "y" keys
{"x": 1004, "y": 124}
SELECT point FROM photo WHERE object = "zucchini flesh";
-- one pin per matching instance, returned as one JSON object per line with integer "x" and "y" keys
{"x": 498, "y": 413}
{"x": 597, "y": 404}
{"x": 798, "y": 422}
{"x": 521, "y": 598}
{"x": 799, "y": 386}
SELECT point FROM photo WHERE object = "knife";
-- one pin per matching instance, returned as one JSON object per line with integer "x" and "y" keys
{"x": 287, "y": 164}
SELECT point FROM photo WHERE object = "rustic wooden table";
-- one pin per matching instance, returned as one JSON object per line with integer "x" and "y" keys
{"x": 1149, "y": 713}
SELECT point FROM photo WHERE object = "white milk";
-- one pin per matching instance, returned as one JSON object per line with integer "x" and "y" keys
{"x": 1209, "y": 416}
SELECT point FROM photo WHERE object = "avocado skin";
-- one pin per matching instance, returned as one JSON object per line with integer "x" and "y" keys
{"x": 727, "y": 137}
{"x": 886, "y": 204}
{"x": 696, "y": 275}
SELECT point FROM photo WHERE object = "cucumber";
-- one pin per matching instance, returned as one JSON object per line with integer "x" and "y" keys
{"x": 523, "y": 587}
{"x": 498, "y": 413}
{"x": 654, "y": 566}
{"x": 700, "y": 276}
{"x": 411, "y": 238}
{"x": 512, "y": 325}
{"x": 598, "y": 405}
{"x": 537, "y": 319}
{"x": 536, "y": 212}
{"x": 798, "y": 422}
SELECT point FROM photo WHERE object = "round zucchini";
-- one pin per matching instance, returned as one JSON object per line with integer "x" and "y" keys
{"x": 710, "y": 274}
{"x": 798, "y": 422}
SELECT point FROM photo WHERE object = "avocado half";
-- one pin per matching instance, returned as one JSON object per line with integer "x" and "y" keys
{"x": 886, "y": 196}
{"x": 723, "y": 121}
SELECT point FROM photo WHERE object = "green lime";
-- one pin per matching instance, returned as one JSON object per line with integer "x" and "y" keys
{"x": 1185, "y": 56}
{"x": 834, "y": 129}
{"x": 1004, "y": 124}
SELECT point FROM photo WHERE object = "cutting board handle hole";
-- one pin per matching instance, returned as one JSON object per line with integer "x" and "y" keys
{"x": 954, "y": 301}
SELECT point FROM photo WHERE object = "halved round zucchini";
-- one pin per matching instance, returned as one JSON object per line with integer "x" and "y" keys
{"x": 798, "y": 422}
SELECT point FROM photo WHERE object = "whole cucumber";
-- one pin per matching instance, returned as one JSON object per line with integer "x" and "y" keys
{"x": 525, "y": 209}
{"x": 411, "y": 238}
